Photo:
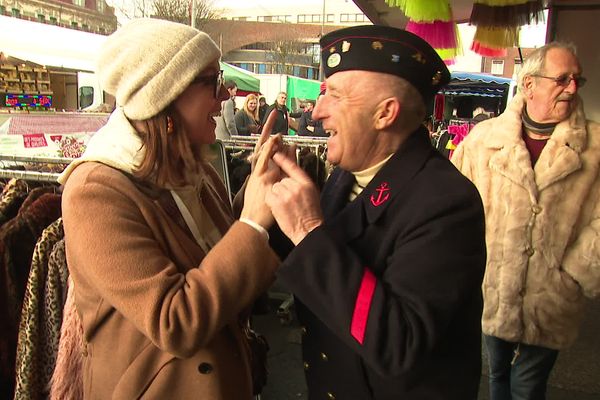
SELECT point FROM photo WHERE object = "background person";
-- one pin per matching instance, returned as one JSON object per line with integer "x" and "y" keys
{"x": 388, "y": 264}
{"x": 162, "y": 272}
{"x": 246, "y": 119}
{"x": 262, "y": 108}
{"x": 226, "y": 126}
{"x": 307, "y": 126}
{"x": 281, "y": 124}
{"x": 537, "y": 169}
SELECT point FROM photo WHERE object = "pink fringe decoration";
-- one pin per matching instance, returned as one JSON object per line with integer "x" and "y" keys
{"x": 439, "y": 34}
{"x": 485, "y": 51}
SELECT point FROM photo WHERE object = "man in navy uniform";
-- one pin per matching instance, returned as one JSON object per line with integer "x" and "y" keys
{"x": 387, "y": 267}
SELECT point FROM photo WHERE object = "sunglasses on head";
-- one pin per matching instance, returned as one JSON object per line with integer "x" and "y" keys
{"x": 214, "y": 79}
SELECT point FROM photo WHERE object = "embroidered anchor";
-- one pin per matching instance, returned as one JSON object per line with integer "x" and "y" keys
{"x": 382, "y": 196}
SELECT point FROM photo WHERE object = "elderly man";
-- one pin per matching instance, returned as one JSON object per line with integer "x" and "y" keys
{"x": 536, "y": 168}
{"x": 387, "y": 269}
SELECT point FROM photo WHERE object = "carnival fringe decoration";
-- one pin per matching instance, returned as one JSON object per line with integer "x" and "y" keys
{"x": 498, "y": 23}
{"x": 439, "y": 34}
{"x": 423, "y": 10}
{"x": 507, "y": 16}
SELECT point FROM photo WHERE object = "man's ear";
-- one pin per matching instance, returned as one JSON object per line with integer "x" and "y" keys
{"x": 386, "y": 113}
{"x": 528, "y": 85}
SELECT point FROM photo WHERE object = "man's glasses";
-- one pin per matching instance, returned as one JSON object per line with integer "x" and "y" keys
{"x": 565, "y": 80}
{"x": 215, "y": 79}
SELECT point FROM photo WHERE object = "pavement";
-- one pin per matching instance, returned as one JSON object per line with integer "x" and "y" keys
{"x": 576, "y": 375}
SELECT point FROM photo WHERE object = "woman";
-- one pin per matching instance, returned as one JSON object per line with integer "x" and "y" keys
{"x": 162, "y": 274}
{"x": 246, "y": 119}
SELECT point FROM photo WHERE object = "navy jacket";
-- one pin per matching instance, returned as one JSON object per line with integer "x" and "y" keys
{"x": 388, "y": 290}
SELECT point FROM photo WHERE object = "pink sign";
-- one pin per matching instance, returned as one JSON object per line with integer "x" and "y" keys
{"x": 34, "y": 140}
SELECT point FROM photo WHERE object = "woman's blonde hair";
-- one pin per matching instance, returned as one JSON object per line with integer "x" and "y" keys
{"x": 252, "y": 114}
{"x": 169, "y": 155}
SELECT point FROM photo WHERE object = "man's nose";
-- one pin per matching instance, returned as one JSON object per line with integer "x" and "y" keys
{"x": 572, "y": 87}
{"x": 318, "y": 110}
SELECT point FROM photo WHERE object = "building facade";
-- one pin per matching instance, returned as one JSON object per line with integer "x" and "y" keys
{"x": 280, "y": 53}
{"x": 94, "y": 16}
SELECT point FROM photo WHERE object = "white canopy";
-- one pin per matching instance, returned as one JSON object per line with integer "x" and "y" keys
{"x": 49, "y": 45}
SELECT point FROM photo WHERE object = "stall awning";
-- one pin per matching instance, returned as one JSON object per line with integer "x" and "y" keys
{"x": 245, "y": 80}
{"x": 477, "y": 84}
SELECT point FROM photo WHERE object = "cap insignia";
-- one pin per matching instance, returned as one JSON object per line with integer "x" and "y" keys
{"x": 332, "y": 49}
{"x": 334, "y": 60}
{"x": 419, "y": 58}
{"x": 346, "y": 46}
{"x": 395, "y": 58}
{"x": 377, "y": 45}
{"x": 436, "y": 78}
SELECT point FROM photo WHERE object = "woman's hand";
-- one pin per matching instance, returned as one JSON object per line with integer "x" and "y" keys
{"x": 264, "y": 174}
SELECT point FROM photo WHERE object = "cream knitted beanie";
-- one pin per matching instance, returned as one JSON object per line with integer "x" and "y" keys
{"x": 148, "y": 62}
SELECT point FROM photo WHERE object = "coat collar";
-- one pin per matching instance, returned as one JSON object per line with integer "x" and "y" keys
{"x": 560, "y": 157}
{"x": 383, "y": 189}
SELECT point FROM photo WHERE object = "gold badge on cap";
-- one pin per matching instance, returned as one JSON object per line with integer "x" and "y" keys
{"x": 377, "y": 45}
{"x": 419, "y": 58}
{"x": 436, "y": 78}
{"x": 332, "y": 49}
{"x": 334, "y": 60}
{"x": 346, "y": 46}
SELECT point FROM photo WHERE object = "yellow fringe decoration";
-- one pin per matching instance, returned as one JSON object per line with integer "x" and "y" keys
{"x": 500, "y": 3}
{"x": 423, "y": 10}
{"x": 497, "y": 37}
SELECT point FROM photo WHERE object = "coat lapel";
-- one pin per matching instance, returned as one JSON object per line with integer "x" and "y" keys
{"x": 350, "y": 219}
{"x": 562, "y": 155}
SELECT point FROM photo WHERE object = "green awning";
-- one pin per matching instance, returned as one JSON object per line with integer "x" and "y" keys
{"x": 246, "y": 82}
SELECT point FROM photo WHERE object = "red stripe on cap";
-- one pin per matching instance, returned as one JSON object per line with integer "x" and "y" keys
{"x": 363, "y": 306}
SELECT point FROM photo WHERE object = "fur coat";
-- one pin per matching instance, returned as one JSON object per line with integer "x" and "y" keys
{"x": 542, "y": 225}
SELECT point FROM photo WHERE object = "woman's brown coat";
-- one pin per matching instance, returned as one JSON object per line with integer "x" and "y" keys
{"x": 160, "y": 316}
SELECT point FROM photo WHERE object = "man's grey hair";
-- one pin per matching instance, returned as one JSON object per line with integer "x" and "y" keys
{"x": 413, "y": 107}
{"x": 536, "y": 61}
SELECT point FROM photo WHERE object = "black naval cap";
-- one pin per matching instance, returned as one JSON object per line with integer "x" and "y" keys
{"x": 384, "y": 49}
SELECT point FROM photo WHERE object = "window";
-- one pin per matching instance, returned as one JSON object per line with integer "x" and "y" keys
{"x": 80, "y": 3}
{"x": 15, "y": 12}
{"x": 86, "y": 96}
{"x": 497, "y": 67}
{"x": 518, "y": 65}
{"x": 53, "y": 20}
{"x": 100, "y": 6}
{"x": 296, "y": 71}
{"x": 359, "y": 17}
{"x": 239, "y": 18}
{"x": 74, "y": 24}
{"x": 41, "y": 17}
{"x": 262, "y": 69}
{"x": 274, "y": 18}
{"x": 330, "y": 18}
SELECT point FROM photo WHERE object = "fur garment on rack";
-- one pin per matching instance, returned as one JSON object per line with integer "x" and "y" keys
{"x": 67, "y": 379}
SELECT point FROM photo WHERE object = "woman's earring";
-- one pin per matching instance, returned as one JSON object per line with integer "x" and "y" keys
{"x": 170, "y": 128}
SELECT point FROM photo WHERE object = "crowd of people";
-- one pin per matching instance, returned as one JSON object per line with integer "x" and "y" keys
{"x": 399, "y": 264}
